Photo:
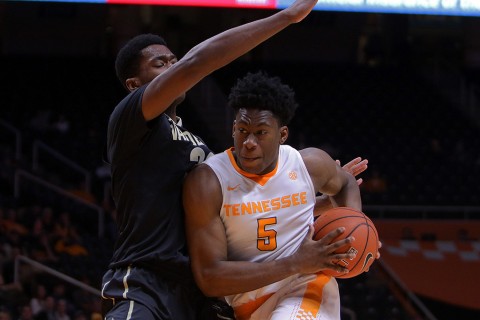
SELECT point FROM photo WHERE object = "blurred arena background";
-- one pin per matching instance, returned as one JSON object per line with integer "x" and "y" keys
{"x": 401, "y": 90}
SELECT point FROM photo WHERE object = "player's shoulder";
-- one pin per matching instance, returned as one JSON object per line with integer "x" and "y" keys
{"x": 201, "y": 178}
{"x": 132, "y": 102}
{"x": 312, "y": 153}
{"x": 200, "y": 169}
{"x": 287, "y": 150}
{"x": 315, "y": 159}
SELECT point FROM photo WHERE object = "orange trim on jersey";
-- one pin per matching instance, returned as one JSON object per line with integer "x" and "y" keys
{"x": 244, "y": 311}
{"x": 260, "y": 179}
{"x": 312, "y": 298}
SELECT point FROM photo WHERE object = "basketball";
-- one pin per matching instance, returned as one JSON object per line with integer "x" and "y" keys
{"x": 356, "y": 224}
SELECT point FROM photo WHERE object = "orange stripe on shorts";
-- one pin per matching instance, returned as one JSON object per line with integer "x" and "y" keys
{"x": 312, "y": 298}
{"x": 244, "y": 311}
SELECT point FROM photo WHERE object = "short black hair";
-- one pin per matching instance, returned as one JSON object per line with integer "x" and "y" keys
{"x": 126, "y": 63}
{"x": 260, "y": 91}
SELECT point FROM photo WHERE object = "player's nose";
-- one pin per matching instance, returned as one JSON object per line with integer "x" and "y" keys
{"x": 250, "y": 141}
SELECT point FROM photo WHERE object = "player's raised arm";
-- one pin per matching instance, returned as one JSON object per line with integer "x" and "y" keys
{"x": 215, "y": 53}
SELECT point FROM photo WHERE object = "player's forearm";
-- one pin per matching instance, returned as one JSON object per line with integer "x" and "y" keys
{"x": 233, "y": 277}
{"x": 349, "y": 195}
{"x": 235, "y": 42}
{"x": 225, "y": 47}
{"x": 207, "y": 57}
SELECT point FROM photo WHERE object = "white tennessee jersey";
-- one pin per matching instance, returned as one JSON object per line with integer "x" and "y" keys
{"x": 266, "y": 217}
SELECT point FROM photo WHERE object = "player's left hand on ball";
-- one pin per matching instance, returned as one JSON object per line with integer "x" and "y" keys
{"x": 378, "y": 254}
{"x": 378, "y": 251}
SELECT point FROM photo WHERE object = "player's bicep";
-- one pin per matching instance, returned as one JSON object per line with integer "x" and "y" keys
{"x": 202, "y": 199}
{"x": 327, "y": 176}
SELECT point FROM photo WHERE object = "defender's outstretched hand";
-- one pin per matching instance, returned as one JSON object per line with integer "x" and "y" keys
{"x": 355, "y": 167}
{"x": 300, "y": 9}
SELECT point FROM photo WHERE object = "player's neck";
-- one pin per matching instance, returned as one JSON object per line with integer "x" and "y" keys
{"x": 172, "y": 112}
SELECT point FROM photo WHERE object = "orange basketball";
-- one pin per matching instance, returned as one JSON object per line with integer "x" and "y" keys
{"x": 356, "y": 224}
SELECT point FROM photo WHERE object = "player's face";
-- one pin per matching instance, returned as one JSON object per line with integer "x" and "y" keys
{"x": 155, "y": 60}
{"x": 257, "y": 136}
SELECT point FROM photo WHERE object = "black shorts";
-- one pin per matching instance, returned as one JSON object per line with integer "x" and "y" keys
{"x": 141, "y": 294}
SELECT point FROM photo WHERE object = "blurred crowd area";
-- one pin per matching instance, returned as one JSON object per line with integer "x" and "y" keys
{"x": 48, "y": 237}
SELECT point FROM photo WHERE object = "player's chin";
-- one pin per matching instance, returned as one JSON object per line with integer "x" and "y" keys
{"x": 180, "y": 99}
{"x": 251, "y": 165}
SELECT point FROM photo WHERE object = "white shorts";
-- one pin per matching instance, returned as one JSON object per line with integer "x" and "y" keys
{"x": 307, "y": 297}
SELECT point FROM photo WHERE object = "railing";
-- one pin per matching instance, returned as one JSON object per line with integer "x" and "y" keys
{"x": 39, "y": 146}
{"x": 18, "y": 137}
{"x": 21, "y": 174}
{"x": 411, "y": 302}
{"x": 51, "y": 271}
{"x": 422, "y": 212}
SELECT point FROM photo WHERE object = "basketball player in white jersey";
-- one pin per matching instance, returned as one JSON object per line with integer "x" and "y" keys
{"x": 249, "y": 213}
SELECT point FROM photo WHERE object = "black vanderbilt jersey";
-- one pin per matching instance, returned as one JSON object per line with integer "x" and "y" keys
{"x": 149, "y": 161}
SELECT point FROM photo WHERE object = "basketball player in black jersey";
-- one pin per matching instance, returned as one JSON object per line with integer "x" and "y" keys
{"x": 150, "y": 152}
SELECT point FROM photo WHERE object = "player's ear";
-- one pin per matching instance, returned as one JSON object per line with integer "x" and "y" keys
{"x": 132, "y": 83}
{"x": 233, "y": 128}
{"x": 283, "y": 134}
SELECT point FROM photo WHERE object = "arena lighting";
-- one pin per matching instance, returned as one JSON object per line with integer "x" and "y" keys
{"x": 432, "y": 7}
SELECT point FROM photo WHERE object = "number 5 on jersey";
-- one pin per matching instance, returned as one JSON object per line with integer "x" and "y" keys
{"x": 267, "y": 238}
